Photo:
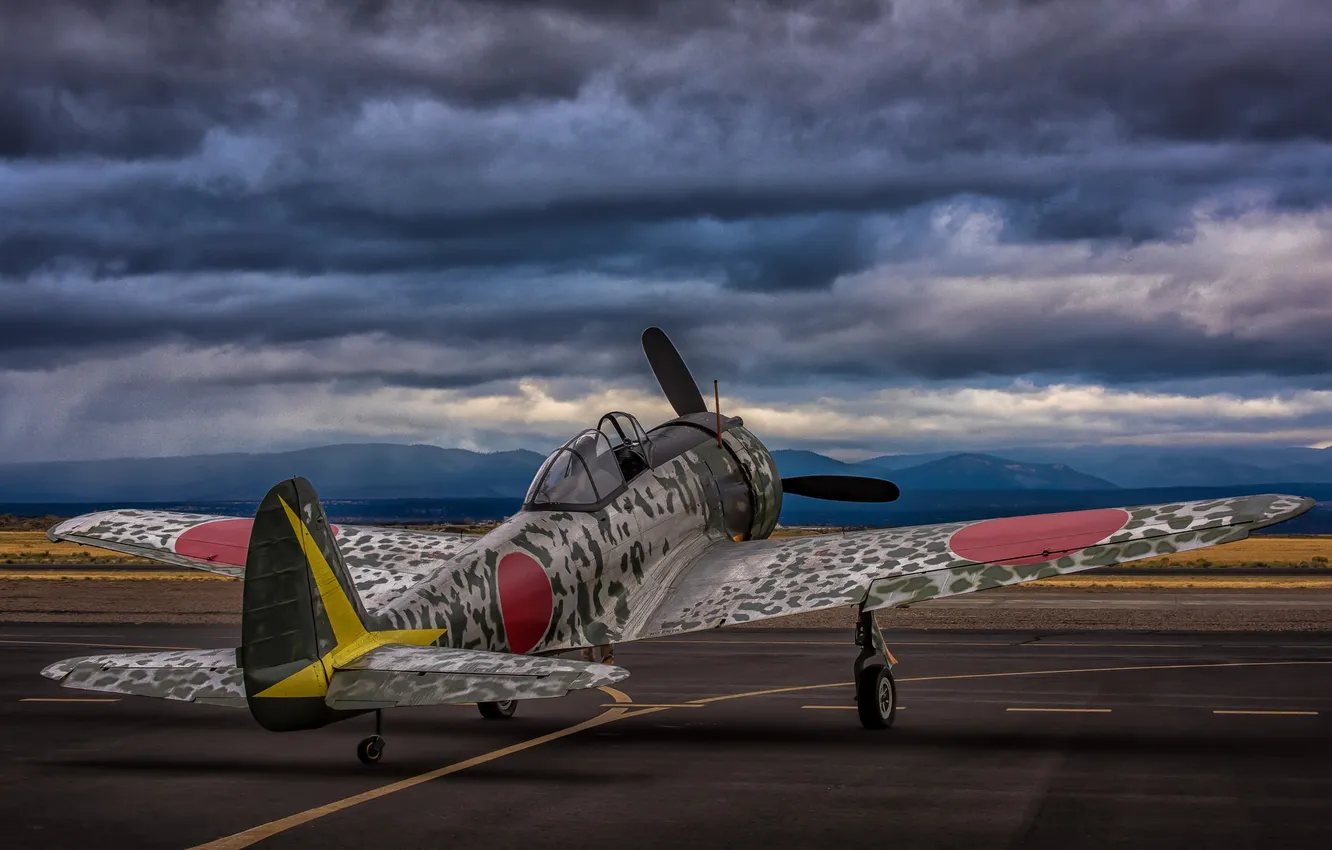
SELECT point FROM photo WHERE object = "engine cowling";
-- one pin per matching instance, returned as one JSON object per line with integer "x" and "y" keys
{"x": 760, "y": 472}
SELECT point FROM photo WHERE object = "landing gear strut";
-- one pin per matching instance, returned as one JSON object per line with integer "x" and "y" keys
{"x": 502, "y": 710}
{"x": 876, "y": 692}
{"x": 371, "y": 749}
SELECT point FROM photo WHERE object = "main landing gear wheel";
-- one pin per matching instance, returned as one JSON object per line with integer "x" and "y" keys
{"x": 498, "y": 710}
{"x": 876, "y": 697}
{"x": 370, "y": 750}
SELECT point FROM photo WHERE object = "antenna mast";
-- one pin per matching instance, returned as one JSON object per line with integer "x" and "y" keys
{"x": 716, "y": 405}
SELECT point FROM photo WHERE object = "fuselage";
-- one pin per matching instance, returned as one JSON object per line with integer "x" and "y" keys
{"x": 550, "y": 579}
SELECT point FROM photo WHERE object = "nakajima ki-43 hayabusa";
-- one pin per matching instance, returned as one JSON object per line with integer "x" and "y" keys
{"x": 624, "y": 534}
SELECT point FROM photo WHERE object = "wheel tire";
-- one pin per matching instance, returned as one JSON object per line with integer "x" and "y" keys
{"x": 370, "y": 750}
{"x": 876, "y": 697}
{"x": 498, "y": 710}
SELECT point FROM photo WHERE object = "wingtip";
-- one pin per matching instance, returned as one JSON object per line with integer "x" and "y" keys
{"x": 60, "y": 669}
{"x": 1279, "y": 507}
{"x": 599, "y": 676}
{"x": 61, "y": 530}
{"x": 57, "y": 532}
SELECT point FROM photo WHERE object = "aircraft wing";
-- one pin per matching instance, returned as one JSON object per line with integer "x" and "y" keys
{"x": 382, "y": 561}
{"x": 386, "y": 676}
{"x": 885, "y": 568}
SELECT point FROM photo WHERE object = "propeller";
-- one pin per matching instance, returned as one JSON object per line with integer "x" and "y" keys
{"x": 672, "y": 373}
{"x": 841, "y": 488}
{"x": 683, "y": 394}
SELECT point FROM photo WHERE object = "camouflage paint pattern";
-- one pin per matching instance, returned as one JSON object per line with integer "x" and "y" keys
{"x": 407, "y": 675}
{"x": 657, "y": 559}
{"x": 196, "y": 675}
{"x": 392, "y": 673}
{"x": 383, "y": 561}
{"x": 886, "y": 567}
{"x": 604, "y": 566}
{"x": 764, "y": 482}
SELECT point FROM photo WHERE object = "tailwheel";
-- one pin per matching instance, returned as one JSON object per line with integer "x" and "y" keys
{"x": 876, "y": 697}
{"x": 370, "y": 750}
{"x": 498, "y": 710}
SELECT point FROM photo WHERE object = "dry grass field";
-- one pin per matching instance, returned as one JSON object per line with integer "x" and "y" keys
{"x": 1217, "y": 580}
{"x": 1260, "y": 551}
{"x": 32, "y": 547}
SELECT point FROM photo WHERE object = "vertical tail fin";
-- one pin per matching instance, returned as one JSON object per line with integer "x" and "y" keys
{"x": 299, "y": 607}
{"x": 301, "y": 617}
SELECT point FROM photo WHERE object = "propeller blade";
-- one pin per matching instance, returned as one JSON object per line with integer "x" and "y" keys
{"x": 672, "y": 373}
{"x": 841, "y": 488}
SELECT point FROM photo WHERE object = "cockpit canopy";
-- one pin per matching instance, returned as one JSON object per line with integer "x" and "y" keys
{"x": 591, "y": 468}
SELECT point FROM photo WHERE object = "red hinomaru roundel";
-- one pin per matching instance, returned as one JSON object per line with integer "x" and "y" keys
{"x": 526, "y": 600}
{"x": 1017, "y": 541}
{"x": 224, "y": 541}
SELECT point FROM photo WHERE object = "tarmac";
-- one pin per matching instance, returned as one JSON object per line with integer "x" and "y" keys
{"x": 736, "y": 738}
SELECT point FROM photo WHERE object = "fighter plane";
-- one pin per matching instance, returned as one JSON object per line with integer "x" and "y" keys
{"x": 624, "y": 534}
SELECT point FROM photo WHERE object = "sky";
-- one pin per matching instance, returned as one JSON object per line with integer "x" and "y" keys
{"x": 883, "y": 226}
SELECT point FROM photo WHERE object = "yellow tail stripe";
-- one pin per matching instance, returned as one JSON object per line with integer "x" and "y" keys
{"x": 353, "y": 640}
{"x": 341, "y": 613}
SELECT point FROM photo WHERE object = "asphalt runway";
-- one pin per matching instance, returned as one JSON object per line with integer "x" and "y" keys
{"x": 740, "y": 739}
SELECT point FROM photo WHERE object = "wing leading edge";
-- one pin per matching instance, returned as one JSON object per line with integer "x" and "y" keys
{"x": 885, "y": 568}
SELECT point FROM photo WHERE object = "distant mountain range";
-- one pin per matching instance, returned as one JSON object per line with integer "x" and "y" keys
{"x": 969, "y": 471}
{"x": 390, "y": 471}
{"x": 352, "y": 471}
{"x": 1155, "y": 466}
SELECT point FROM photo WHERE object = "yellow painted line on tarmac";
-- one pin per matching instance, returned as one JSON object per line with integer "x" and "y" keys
{"x": 657, "y": 705}
{"x": 21, "y": 635}
{"x": 838, "y": 707}
{"x": 1062, "y": 710}
{"x": 1255, "y": 711}
{"x": 69, "y": 699}
{"x": 1220, "y": 665}
{"x": 625, "y": 707}
{"x": 959, "y": 676}
{"x": 847, "y": 707}
{"x": 770, "y": 691}
{"x": 99, "y": 645}
{"x": 259, "y": 833}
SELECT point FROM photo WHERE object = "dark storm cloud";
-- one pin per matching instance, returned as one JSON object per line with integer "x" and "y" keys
{"x": 781, "y": 108}
{"x": 527, "y": 185}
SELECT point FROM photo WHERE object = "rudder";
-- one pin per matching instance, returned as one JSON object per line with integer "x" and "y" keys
{"x": 299, "y": 606}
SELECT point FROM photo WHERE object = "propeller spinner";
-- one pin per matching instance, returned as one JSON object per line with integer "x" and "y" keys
{"x": 683, "y": 394}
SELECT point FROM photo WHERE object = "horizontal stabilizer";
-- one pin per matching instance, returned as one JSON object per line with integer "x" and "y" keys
{"x": 208, "y": 676}
{"x": 384, "y": 677}
{"x": 414, "y": 675}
